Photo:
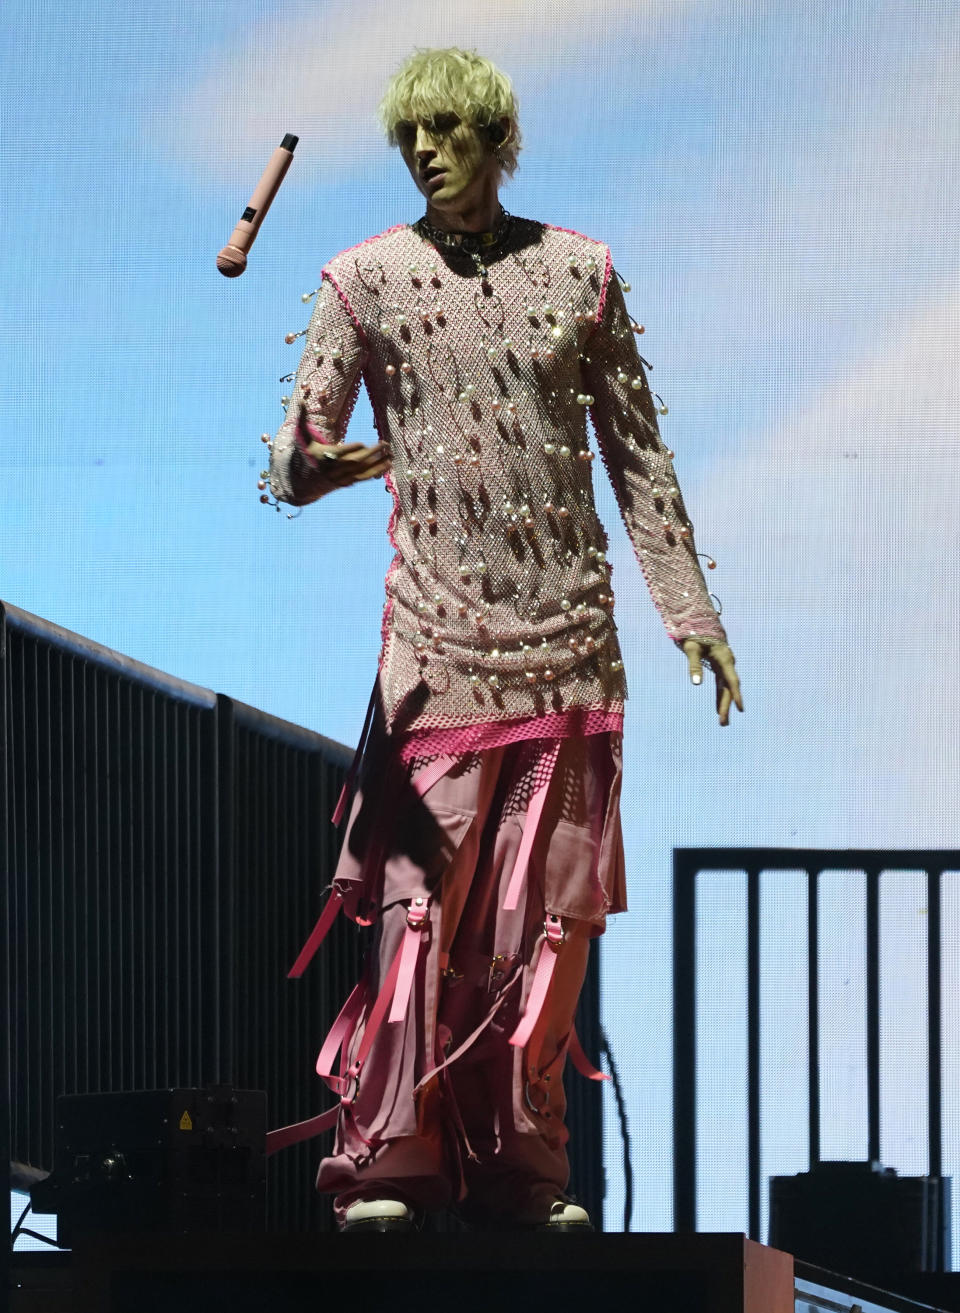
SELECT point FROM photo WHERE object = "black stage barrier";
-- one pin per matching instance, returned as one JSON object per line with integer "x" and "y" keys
{"x": 691, "y": 867}
{"x": 164, "y": 851}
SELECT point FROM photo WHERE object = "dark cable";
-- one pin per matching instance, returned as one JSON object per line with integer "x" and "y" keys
{"x": 19, "y": 1225}
{"x": 624, "y": 1130}
{"x": 20, "y": 1230}
{"x": 35, "y": 1235}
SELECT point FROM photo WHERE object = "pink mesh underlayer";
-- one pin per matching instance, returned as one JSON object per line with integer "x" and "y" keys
{"x": 474, "y": 738}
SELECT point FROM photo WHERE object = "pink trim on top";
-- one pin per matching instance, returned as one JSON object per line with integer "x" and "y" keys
{"x": 311, "y": 460}
{"x": 318, "y": 436}
{"x": 385, "y": 632}
{"x": 382, "y": 428}
{"x": 347, "y": 306}
{"x": 457, "y": 740}
{"x": 367, "y": 241}
{"x": 607, "y": 261}
{"x": 607, "y": 271}
{"x": 558, "y": 228}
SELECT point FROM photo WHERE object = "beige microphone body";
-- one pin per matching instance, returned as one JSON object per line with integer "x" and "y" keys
{"x": 232, "y": 260}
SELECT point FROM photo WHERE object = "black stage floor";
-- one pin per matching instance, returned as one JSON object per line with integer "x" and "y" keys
{"x": 458, "y": 1273}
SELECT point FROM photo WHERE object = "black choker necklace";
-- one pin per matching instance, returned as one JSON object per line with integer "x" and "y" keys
{"x": 470, "y": 243}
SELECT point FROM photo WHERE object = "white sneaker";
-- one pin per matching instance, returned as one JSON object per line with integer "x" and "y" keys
{"x": 566, "y": 1217}
{"x": 378, "y": 1215}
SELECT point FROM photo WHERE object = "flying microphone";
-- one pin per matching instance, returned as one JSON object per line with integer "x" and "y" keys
{"x": 232, "y": 260}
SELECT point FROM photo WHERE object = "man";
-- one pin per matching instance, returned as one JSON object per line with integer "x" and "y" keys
{"x": 484, "y": 829}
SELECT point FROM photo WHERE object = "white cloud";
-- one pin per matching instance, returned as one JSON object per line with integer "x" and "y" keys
{"x": 319, "y": 70}
{"x": 780, "y": 252}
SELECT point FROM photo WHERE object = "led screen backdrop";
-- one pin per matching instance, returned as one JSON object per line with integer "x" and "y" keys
{"x": 778, "y": 182}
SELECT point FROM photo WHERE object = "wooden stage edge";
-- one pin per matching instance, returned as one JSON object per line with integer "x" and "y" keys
{"x": 495, "y": 1272}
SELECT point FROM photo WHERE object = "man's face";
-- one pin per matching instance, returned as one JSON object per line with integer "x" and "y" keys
{"x": 449, "y": 159}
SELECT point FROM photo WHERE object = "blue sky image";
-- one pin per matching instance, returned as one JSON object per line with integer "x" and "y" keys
{"x": 779, "y": 184}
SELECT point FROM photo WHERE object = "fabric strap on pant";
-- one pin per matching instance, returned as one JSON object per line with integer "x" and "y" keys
{"x": 534, "y": 812}
{"x": 546, "y": 965}
{"x": 580, "y": 1059}
{"x": 472, "y": 1037}
{"x": 396, "y": 986}
{"x": 317, "y": 935}
{"x": 550, "y": 947}
{"x": 407, "y": 956}
{"x": 338, "y": 1036}
{"x": 348, "y": 783}
{"x": 287, "y": 1135}
{"x": 427, "y": 778}
{"x": 395, "y": 995}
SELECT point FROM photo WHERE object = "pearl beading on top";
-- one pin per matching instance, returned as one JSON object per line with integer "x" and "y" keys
{"x": 481, "y": 372}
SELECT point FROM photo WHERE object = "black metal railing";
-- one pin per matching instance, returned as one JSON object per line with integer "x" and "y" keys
{"x": 694, "y": 864}
{"x": 164, "y": 849}
{"x": 163, "y": 853}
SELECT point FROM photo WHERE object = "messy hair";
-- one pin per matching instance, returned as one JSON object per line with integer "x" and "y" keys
{"x": 431, "y": 81}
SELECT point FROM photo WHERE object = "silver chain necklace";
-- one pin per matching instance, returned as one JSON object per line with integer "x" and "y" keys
{"x": 471, "y": 243}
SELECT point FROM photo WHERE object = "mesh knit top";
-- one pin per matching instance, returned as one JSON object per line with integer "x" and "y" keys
{"x": 498, "y": 619}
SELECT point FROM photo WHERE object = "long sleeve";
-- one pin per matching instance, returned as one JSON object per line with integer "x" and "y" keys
{"x": 326, "y": 388}
{"x": 641, "y": 471}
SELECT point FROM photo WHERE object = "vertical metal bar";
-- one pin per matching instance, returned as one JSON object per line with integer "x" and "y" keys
{"x": 35, "y": 902}
{"x": 127, "y": 1060}
{"x": 684, "y": 1046}
{"x": 16, "y": 1021}
{"x": 54, "y": 804}
{"x": 225, "y": 883}
{"x": 179, "y": 883}
{"x": 753, "y": 1051}
{"x": 166, "y": 898}
{"x": 85, "y": 910}
{"x": 7, "y": 875}
{"x": 63, "y": 794}
{"x": 813, "y": 1015}
{"x": 152, "y": 940}
{"x": 45, "y": 978}
{"x": 132, "y": 822}
{"x": 934, "y": 1023}
{"x": 192, "y": 993}
{"x": 17, "y": 1027}
{"x": 97, "y": 1003}
{"x": 873, "y": 1012}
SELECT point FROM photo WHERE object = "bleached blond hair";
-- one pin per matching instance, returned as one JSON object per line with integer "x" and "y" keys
{"x": 430, "y": 82}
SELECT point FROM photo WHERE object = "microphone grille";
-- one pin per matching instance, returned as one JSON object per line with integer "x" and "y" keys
{"x": 231, "y": 261}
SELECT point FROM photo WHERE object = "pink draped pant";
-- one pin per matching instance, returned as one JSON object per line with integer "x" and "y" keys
{"x": 447, "y": 1110}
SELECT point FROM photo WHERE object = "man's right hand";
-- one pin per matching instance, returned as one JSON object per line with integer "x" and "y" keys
{"x": 343, "y": 463}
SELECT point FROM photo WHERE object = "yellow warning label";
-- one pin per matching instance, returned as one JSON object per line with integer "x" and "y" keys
{"x": 186, "y": 1122}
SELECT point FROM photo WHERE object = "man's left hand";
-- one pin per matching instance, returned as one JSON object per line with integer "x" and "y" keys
{"x": 722, "y": 662}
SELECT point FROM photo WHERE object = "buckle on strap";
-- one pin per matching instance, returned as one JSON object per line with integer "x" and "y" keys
{"x": 542, "y": 977}
{"x": 405, "y": 963}
{"x": 417, "y": 913}
{"x": 553, "y": 930}
{"x": 349, "y": 1085}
